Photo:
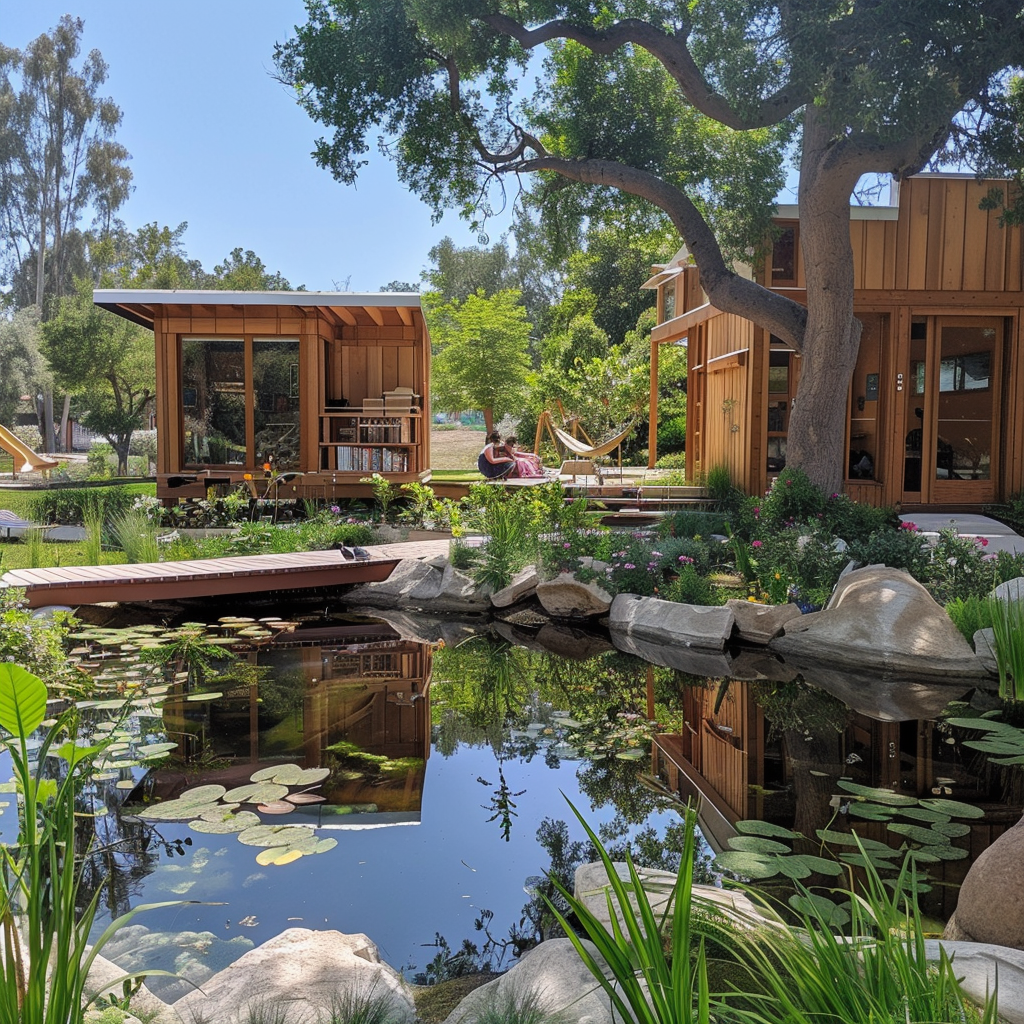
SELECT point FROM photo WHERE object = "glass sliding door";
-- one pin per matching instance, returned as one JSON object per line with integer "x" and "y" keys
{"x": 275, "y": 389}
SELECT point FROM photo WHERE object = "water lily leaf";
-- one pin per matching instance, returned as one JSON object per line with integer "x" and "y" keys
{"x": 954, "y": 808}
{"x": 258, "y": 793}
{"x": 819, "y": 865}
{"x": 323, "y": 845}
{"x": 272, "y": 773}
{"x": 757, "y": 844}
{"x": 924, "y": 856}
{"x": 203, "y": 794}
{"x": 1018, "y": 759}
{"x": 918, "y": 834}
{"x": 791, "y": 867}
{"x": 753, "y": 827}
{"x": 923, "y": 814}
{"x": 873, "y": 861}
{"x": 948, "y": 852}
{"x": 305, "y": 798}
{"x": 634, "y": 754}
{"x": 270, "y": 854}
{"x": 195, "y": 697}
{"x": 311, "y": 776}
{"x": 276, "y": 807}
{"x": 873, "y": 812}
{"x": 996, "y": 746}
{"x": 879, "y": 796}
{"x": 287, "y": 857}
{"x": 848, "y": 839}
{"x": 126, "y": 784}
{"x": 981, "y": 724}
{"x": 748, "y": 865}
{"x": 819, "y": 908}
{"x": 273, "y": 835}
{"x": 151, "y": 750}
{"x": 952, "y": 829}
{"x": 216, "y": 828}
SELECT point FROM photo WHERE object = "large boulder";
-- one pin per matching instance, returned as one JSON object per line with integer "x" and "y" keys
{"x": 551, "y": 974}
{"x": 990, "y": 907}
{"x": 984, "y": 968}
{"x": 882, "y": 619}
{"x": 695, "y": 661}
{"x": 565, "y": 597}
{"x": 523, "y": 584}
{"x": 300, "y": 973}
{"x": 668, "y": 622}
{"x": 419, "y": 584}
{"x": 1011, "y": 590}
{"x": 759, "y": 623}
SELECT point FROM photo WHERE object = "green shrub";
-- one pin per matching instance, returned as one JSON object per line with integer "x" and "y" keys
{"x": 853, "y": 520}
{"x": 718, "y": 483}
{"x": 1011, "y": 512}
{"x": 672, "y": 433}
{"x": 969, "y": 614}
{"x": 689, "y": 587}
{"x": 98, "y": 460}
{"x": 135, "y": 534}
{"x": 959, "y": 567}
{"x": 903, "y": 548}
{"x": 792, "y": 499}
{"x": 692, "y": 524}
{"x": 71, "y": 505}
{"x": 323, "y": 530}
{"x": 672, "y": 460}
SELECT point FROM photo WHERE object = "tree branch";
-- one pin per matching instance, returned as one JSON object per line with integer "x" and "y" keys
{"x": 725, "y": 288}
{"x": 673, "y": 53}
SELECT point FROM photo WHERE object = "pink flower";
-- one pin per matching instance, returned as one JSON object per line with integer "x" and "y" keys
{"x": 686, "y": 559}
{"x": 629, "y": 565}
{"x": 567, "y": 545}
{"x": 756, "y": 544}
{"x": 909, "y": 527}
{"x": 983, "y": 541}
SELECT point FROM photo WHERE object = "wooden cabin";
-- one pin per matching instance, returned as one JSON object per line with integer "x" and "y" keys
{"x": 935, "y": 411}
{"x": 327, "y": 387}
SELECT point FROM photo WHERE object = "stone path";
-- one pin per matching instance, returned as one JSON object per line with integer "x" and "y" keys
{"x": 999, "y": 536}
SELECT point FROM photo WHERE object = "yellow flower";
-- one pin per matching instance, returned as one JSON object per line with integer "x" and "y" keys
{"x": 778, "y": 576}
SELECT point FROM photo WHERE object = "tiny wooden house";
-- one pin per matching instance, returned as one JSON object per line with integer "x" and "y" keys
{"x": 934, "y": 412}
{"x": 330, "y": 387}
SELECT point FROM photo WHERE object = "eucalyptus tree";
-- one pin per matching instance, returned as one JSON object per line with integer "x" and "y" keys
{"x": 690, "y": 106}
{"x": 59, "y": 158}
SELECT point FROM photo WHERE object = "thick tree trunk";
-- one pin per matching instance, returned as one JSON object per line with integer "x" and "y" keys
{"x": 817, "y": 427}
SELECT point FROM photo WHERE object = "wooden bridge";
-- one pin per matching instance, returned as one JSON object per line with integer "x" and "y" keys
{"x": 209, "y": 577}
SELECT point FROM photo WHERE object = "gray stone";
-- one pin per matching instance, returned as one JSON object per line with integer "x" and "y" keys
{"x": 522, "y": 586}
{"x": 1011, "y": 590}
{"x": 303, "y": 972}
{"x": 981, "y": 965}
{"x": 571, "y": 643}
{"x": 759, "y": 623}
{"x": 424, "y": 629}
{"x": 409, "y": 573}
{"x": 985, "y": 649}
{"x": 565, "y": 597}
{"x": 106, "y": 977}
{"x": 555, "y": 976}
{"x": 760, "y": 665}
{"x": 591, "y": 886}
{"x": 990, "y": 907}
{"x": 696, "y": 661}
{"x": 458, "y": 593}
{"x": 882, "y": 619}
{"x": 668, "y": 622}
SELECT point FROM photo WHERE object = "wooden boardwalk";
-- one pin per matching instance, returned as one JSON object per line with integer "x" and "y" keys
{"x": 210, "y": 577}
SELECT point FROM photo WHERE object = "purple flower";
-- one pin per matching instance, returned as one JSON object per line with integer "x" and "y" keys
{"x": 335, "y": 510}
{"x": 629, "y": 565}
{"x": 567, "y": 545}
{"x": 756, "y": 544}
{"x": 686, "y": 559}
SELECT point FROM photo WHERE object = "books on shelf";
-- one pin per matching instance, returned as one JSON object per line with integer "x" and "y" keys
{"x": 365, "y": 459}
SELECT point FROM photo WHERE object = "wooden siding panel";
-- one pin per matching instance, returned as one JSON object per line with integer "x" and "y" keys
{"x": 954, "y": 199}
{"x": 374, "y": 374}
{"x": 977, "y": 241}
{"x": 935, "y": 229}
{"x": 873, "y": 272}
{"x": 914, "y": 255}
{"x": 858, "y": 243}
{"x": 406, "y": 362}
{"x": 389, "y": 368}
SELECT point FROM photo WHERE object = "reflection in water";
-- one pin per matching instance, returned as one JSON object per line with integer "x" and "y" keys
{"x": 472, "y": 745}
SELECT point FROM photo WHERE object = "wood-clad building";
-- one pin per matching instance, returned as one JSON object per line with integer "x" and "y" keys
{"x": 936, "y": 406}
{"x": 330, "y": 387}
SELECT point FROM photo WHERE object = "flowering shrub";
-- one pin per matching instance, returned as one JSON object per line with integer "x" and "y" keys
{"x": 904, "y": 548}
{"x": 854, "y": 521}
{"x": 689, "y": 587}
{"x": 959, "y": 567}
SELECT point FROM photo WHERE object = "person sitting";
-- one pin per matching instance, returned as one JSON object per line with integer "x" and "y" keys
{"x": 494, "y": 462}
{"x": 527, "y": 464}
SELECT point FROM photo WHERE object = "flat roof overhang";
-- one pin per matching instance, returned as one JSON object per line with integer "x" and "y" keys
{"x": 142, "y": 306}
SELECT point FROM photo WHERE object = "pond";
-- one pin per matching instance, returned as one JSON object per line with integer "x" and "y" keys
{"x": 450, "y": 771}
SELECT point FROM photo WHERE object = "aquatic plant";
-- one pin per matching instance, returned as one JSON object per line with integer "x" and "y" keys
{"x": 136, "y": 535}
{"x": 1008, "y": 634}
{"x": 280, "y": 789}
{"x": 45, "y": 922}
{"x": 969, "y": 614}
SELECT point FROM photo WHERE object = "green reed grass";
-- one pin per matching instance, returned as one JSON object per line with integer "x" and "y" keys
{"x": 1008, "y": 634}
{"x": 92, "y": 545}
{"x": 136, "y": 535}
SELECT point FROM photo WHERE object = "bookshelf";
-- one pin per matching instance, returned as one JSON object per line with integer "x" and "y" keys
{"x": 361, "y": 442}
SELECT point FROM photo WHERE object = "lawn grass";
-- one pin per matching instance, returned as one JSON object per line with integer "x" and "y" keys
{"x": 19, "y": 501}
{"x": 14, "y": 554}
{"x": 456, "y": 476}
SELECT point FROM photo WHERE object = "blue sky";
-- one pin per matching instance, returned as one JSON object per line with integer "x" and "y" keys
{"x": 215, "y": 141}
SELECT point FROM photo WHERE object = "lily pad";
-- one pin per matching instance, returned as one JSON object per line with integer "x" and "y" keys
{"x": 918, "y": 834}
{"x": 757, "y": 844}
{"x": 273, "y": 835}
{"x": 954, "y": 808}
{"x": 305, "y": 798}
{"x": 753, "y": 827}
{"x": 276, "y": 807}
{"x": 258, "y": 793}
{"x": 877, "y": 795}
{"x": 748, "y": 865}
{"x": 270, "y": 854}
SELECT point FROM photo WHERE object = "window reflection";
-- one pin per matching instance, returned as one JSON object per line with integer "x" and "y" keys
{"x": 275, "y": 382}
{"x": 213, "y": 400}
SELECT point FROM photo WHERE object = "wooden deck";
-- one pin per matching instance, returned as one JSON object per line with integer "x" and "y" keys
{"x": 209, "y": 577}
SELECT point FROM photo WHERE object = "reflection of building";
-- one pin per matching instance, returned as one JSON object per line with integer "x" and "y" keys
{"x": 731, "y": 763}
{"x": 330, "y": 386}
{"x": 932, "y": 411}
{"x": 354, "y": 699}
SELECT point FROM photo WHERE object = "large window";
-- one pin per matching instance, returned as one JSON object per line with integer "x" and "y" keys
{"x": 240, "y": 402}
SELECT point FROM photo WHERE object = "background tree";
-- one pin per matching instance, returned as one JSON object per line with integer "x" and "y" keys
{"x": 689, "y": 106}
{"x": 481, "y": 354}
{"x": 58, "y": 158}
{"x": 106, "y": 362}
{"x": 20, "y": 360}
{"x": 246, "y": 272}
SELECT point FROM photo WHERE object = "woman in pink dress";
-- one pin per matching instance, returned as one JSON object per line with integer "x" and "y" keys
{"x": 527, "y": 464}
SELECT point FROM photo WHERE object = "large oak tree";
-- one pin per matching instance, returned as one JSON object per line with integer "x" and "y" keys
{"x": 692, "y": 105}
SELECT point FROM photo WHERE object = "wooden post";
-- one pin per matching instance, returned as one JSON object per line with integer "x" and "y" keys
{"x": 652, "y": 423}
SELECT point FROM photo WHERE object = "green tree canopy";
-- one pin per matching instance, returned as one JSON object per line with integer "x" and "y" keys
{"x": 22, "y": 365}
{"x": 481, "y": 353}
{"x": 105, "y": 361}
{"x": 692, "y": 107}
